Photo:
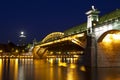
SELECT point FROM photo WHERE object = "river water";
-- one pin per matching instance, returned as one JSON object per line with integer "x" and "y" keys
{"x": 29, "y": 69}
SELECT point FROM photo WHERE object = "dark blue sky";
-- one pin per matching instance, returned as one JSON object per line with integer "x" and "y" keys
{"x": 39, "y": 18}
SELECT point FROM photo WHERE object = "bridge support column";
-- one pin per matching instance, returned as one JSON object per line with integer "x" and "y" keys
{"x": 41, "y": 52}
{"x": 90, "y": 58}
{"x": 35, "y": 51}
{"x": 91, "y": 47}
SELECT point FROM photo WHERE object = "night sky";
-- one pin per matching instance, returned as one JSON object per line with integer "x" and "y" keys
{"x": 39, "y": 18}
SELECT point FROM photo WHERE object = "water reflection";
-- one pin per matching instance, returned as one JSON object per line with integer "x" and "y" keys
{"x": 1, "y": 69}
{"x": 53, "y": 69}
{"x": 14, "y": 69}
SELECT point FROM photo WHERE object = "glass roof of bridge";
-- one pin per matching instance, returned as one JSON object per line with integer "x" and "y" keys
{"x": 82, "y": 27}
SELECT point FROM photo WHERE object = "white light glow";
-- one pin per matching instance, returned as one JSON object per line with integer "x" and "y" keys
{"x": 112, "y": 37}
{"x": 80, "y": 35}
{"x": 22, "y": 32}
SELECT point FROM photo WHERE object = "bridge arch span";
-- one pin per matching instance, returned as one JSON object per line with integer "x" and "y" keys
{"x": 102, "y": 36}
{"x": 101, "y": 29}
{"x": 108, "y": 48}
{"x": 52, "y": 35}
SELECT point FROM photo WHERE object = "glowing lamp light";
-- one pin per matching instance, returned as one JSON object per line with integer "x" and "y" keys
{"x": 1, "y": 51}
{"x": 21, "y": 32}
{"x": 80, "y": 35}
{"x": 16, "y": 51}
{"x": 82, "y": 68}
{"x": 62, "y": 64}
{"x": 72, "y": 66}
{"x": 94, "y": 24}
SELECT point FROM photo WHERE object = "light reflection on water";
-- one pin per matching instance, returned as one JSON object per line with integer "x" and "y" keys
{"x": 53, "y": 69}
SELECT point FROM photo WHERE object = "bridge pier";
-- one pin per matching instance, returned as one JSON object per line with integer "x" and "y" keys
{"x": 39, "y": 52}
{"x": 91, "y": 46}
{"x": 90, "y": 57}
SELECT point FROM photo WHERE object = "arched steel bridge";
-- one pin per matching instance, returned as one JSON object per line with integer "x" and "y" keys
{"x": 106, "y": 36}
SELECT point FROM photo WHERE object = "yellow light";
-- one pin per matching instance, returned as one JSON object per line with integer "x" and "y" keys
{"x": 76, "y": 56}
{"x": 1, "y": 51}
{"x": 112, "y": 37}
{"x": 94, "y": 24}
{"x": 1, "y": 69}
{"x": 51, "y": 61}
{"x": 16, "y": 69}
{"x": 59, "y": 60}
{"x": 82, "y": 68}
{"x": 110, "y": 45}
{"x": 107, "y": 38}
{"x": 16, "y": 51}
{"x": 62, "y": 64}
{"x": 80, "y": 35}
{"x": 72, "y": 66}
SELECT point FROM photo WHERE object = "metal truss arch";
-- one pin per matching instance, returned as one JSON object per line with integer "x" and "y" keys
{"x": 53, "y": 36}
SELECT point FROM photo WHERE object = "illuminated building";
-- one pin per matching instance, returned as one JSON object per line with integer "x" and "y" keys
{"x": 22, "y": 39}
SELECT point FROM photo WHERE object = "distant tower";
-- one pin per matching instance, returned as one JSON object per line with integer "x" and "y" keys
{"x": 22, "y": 39}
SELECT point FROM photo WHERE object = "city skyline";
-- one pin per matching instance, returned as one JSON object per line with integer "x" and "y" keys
{"x": 39, "y": 18}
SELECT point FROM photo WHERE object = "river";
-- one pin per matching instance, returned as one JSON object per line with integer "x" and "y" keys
{"x": 49, "y": 69}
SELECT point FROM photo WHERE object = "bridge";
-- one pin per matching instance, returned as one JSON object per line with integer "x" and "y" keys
{"x": 98, "y": 41}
